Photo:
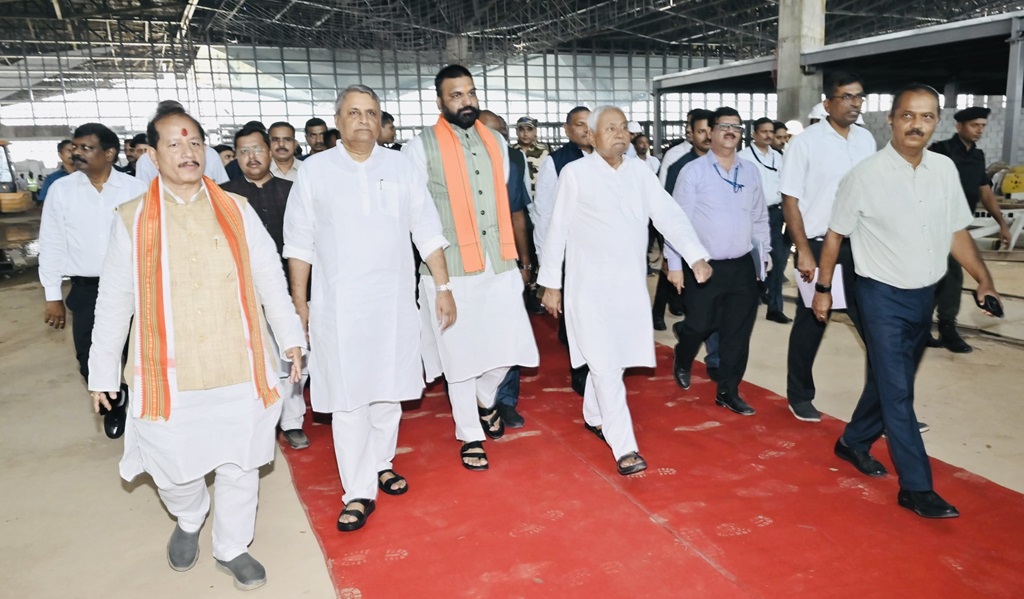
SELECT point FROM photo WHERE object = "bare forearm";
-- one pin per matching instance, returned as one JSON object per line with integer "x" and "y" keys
{"x": 965, "y": 252}
{"x": 298, "y": 275}
{"x": 438, "y": 266}
{"x": 829, "y": 257}
{"x": 795, "y": 224}
{"x": 991, "y": 204}
{"x": 519, "y": 232}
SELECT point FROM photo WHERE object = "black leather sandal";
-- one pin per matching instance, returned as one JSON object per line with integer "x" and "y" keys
{"x": 595, "y": 430}
{"x": 638, "y": 466}
{"x": 389, "y": 485}
{"x": 368, "y": 506}
{"x": 467, "y": 454}
{"x": 490, "y": 419}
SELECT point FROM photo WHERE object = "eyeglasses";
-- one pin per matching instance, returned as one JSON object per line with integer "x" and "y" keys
{"x": 729, "y": 127}
{"x": 254, "y": 150}
{"x": 850, "y": 97}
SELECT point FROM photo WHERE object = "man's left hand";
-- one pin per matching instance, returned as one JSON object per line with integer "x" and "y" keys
{"x": 675, "y": 278}
{"x": 294, "y": 354}
{"x": 1004, "y": 236}
{"x": 445, "y": 310}
{"x": 552, "y": 301}
{"x": 984, "y": 290}
{"x": 821, "y": 305}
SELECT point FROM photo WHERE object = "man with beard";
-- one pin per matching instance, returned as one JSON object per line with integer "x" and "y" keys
{"x": 282, "y": 150}
{"x": 316, "y": 135}
{"x": 194, "y": 278}
{"x": 350, "y": 219}
{"x": 466, "y": 167}
{"x": 904, "y": 210}
{"x": 963, "y": 149}
{"x": 721, "y": 193}
{"x": 814, "y": 163}
{"x": 268, "y": 196}
{"x": 602, "y": 208}
{"x": 65, "y": 150}
{"x": 73, "y": 236}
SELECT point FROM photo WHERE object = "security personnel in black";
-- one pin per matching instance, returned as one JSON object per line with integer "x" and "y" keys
{"x": 963, "y": 150}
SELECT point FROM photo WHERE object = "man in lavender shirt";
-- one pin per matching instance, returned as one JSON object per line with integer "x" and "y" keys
{"x": 721, "y": 193}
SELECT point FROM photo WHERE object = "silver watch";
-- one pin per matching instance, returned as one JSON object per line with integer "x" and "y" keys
{"x": 446, "y": 287}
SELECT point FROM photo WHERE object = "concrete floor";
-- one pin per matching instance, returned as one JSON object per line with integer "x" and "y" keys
{"x": 71, "y": 528}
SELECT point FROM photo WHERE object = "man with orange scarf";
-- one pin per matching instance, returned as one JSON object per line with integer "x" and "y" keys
{"x": 466, "y": 167}
{"x": 203, "y": 279}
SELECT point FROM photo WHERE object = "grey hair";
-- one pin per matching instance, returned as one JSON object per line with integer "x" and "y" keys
{"x": 357, "y": 88}
{"x": 596, "y": 113}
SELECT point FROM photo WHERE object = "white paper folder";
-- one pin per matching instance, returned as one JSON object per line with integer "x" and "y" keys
{"x": 838, "y": 292}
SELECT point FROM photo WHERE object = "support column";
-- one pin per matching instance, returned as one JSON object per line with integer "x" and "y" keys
{"x": 801, "y": 28}
{"x": 657, "y": 126}
{"x": 1014, "y": 81}
{"x": 457, "y": 50}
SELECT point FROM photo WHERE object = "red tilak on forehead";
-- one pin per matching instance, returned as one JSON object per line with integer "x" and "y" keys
{"x": 184, "y": 132}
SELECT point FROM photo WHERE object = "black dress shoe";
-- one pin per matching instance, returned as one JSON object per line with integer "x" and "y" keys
{"x": 861, "y": 460}
{"x": 659, "y": 324}
{"x": 934, "y": 342}
{"x": 778, "y": 317}
{"x": 926, "y": 504}
{"x": 682, "y": 374}
{"x": 114, "y": 419}
{"x": 734, "y": 403}
{"x": 510, "y": 416}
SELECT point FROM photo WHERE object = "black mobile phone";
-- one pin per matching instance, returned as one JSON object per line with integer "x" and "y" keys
{"x": 990, "y": 304}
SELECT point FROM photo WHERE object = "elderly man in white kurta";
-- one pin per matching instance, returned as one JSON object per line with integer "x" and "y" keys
{"x": 202, "y": 277}
{"x": 466, "y": 166}
{"x": 349, "y": 218}
{"x": 602, "y": 206}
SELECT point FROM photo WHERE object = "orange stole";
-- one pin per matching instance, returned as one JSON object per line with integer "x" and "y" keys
{"x": 153, "y": 346}
{"x": 456, "y": 179}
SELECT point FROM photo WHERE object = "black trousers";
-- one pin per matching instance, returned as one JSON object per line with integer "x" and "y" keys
{"x": 726, "y": 303}
{"x": 949, "y": 292}
{"x": 805, "y": 336}
{"x": 81, "y": 301}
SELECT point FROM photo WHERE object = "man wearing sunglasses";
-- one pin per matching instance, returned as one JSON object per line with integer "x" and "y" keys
{"x": 722, "y": 195}
{"x": 768, "y": 163}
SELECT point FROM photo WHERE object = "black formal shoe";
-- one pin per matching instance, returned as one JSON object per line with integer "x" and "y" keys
{"x": 510, "y": 416}
{"x": 114, "y": 419}
{"x": 926, "y": 504}
{"x": 674, "y": 311}
{"x": 734, "y": 403}
{"x": 778, "y": 317}
{"x": 805, "y": 412}
{"x": 861, "y": 460}
{"x": 934, "y": 342}
{"x": 951, "y": 339}
{"x": 682, "y": 374}
{"x": 659, "y": 324}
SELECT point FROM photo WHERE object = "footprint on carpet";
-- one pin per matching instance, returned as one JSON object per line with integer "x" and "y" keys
{"x": 731, "y": 530}
{"x": 393, "y": 555}
{"x": 357, "y": 558}
{"x": 350, "y": 593}
{"x": 554, "y": 515}
{"x": 526, "y": 530}
{"x": 762, "y": 521}
{"x": 666, "y": 471}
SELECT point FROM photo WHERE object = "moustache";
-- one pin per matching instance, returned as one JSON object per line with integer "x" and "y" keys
{"x": 254, "y": 164}
{"x": 188, "y": 163}
{"x": 916, "y": 132}
{"x": 77, "y": 158}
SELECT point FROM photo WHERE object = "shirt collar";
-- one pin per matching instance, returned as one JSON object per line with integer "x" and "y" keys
{"x": 167, "y": 193}
{"x": 899, "y": 162}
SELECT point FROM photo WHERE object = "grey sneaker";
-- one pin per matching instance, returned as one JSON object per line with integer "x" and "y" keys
{"x": 805, "y": 411}
{"x": 182, "y": 549}
{"x": 296, "y": 438}
{"x": 248, "y": 573}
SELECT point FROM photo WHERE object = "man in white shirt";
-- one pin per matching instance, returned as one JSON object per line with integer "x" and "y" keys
{"x": 677, "y": 151}
{"x": 812, "y": 167}
{"x": 146, "y": 171}
{"x": 904, "y": 210}
{"x": 282, "y": 149}
{"x": 575, "y": 128}
{"x": 361, "y": 199}
{"x": 642, "y": 145}
{"x": 194, "y": 277}
{"x": 73, "y": 238}
{"x": 603, "y": 204}
{"x": 768, "y": 163}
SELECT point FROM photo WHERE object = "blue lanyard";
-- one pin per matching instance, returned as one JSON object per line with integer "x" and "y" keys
{"x": 736, "y": 186}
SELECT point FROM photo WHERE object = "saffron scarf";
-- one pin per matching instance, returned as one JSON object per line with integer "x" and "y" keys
{"x": 155, "y": 369}
{"x": 456, "y": 178}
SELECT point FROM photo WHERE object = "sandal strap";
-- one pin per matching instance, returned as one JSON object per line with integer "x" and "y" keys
{"x": 359, "y": 514}
{"x": 391, "y": 482}
{"x": 472, "y": 445}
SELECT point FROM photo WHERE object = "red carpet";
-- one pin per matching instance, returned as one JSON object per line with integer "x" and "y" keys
{"x": 731, "y": 506}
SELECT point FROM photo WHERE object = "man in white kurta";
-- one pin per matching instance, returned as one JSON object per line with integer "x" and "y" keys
{"x": 493, "y": 332}
{"x": 349, "y": 218}
{"x": 204, "y": 402}
{"x": 602, "y": 206}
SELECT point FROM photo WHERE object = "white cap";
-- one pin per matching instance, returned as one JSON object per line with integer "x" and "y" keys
{"x": 634, "y": 127}
{"x": 818, "y": 112}
{"x": 794, "y": 127}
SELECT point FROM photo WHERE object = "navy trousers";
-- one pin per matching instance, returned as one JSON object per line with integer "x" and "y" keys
{"x": 896, "y": 323}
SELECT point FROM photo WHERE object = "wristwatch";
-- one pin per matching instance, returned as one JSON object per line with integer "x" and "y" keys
{"x": 822, "y": 288}
{"x": 446, "y": 287}
{"x": 526, "y": 267}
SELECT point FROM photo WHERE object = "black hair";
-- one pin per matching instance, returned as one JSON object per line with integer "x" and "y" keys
{"x": 724, "y": 111}
{"x": 452, "y": 71}
{"x": 315, "y": 122}
{"x": 165, "y": 109}
{"x": 108, "y": 139}
{"x": 333, "y": 133}
{"x": 837, "y": 79}
{"x": 762, "y": 121}
{"x": 139, "y": 138}
{"x": 249, "y": 129}
{"x": 780, "y": 125}
{"x": 62, "y": 144}
{"x": 578, "y": 109}
{"x": 386, "y": 117}
{"x": 643, "y": 135}
{"x": 912, "y": 88}
{"x": 223, "y": 148}
{"x": 282, "y": 124}
{"x": 700, "y": 114}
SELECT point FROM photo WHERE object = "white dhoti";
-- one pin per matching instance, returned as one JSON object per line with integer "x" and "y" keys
{"x": 605, "y": 407}
{"x": 365, "y": 440}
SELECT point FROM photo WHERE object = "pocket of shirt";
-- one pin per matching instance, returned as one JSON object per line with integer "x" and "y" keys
{"x": 390, "y": 197}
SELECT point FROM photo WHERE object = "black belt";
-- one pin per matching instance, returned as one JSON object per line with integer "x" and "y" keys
{"x": 85, "y": 280}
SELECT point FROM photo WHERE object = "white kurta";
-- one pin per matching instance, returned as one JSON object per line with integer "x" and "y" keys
{"x": 600, "y": 224}
{"x": 352, "y": 221}
{"x": 206, "y": 428}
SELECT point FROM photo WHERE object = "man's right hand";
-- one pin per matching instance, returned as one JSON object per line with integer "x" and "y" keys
{"x": 102, "y": 398}
{"x": 302, "y": 309}
{"x": 806, "y": 264}
{"x": 55, "y": 314}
